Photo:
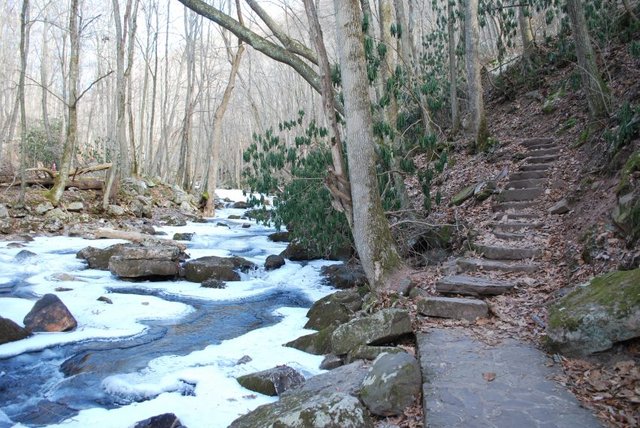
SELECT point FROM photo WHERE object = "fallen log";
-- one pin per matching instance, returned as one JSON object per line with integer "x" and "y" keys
{"x": 136, "y": 237}
{"x": 83, "y": 184}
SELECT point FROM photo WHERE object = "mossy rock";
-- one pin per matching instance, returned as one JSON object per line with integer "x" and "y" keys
{"x": 462, "y": 195}
{"x": 273, "y": 381}
{"x": 315, "y": 343}
{"x": 594, "y": 317}
{"x": 336, "y": 308}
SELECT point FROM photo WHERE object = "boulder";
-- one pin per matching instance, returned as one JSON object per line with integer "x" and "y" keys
{"x": 344, "y": 276}
{"x": 98, "y": 258}
{"x": 484, "y": 190}
{"x": 43, "y": 208}
{"x": 279, "y": 237}
{"x": 173, "y": 219}
{"x": 392, "y": 384}
{"x": 273, "y": 381}
{"x": 315, "y": 343}
{"x": 23, "y": 256}
{"x": 6, "y": 226}
{"x": 184, "y": 236}
{"x": 140, "y": 209}
{"x": 366, "y": 352}
{"x": 166, "y": 420}
{"x": 463, "y": 195}
{"x": 75, "y": 206}
{"x": 594, "y": 317}
{"x": 222, "y": 268}
{"x": 347, "y": 379}
{"x": 4, "y": 212}
{"x": 297, "y": 252}
{"x": 214, "y": 283}
{"x": 240, "y": 205}
{"x": 384, "y": 326}
{"x": 145, "y": 262}
{"x": 307, "y": 410}
{"x": 274, "y": 262}
{"x": 330, "y": 362}
{"x": 133, "y": 186}
{"x": 560, "y": 207}
{"x": 234, "y": 217}
{"x": 115, "y": 210}
{"x": 10, "y": 331}
{"x": 49, "y": 314}
{"x": 335, "y": 308}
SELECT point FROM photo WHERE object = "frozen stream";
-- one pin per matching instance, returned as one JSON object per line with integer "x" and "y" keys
{"x": 167, "y": 346}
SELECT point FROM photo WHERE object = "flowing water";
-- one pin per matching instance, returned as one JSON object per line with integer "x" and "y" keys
{"x": 168, "y": 341}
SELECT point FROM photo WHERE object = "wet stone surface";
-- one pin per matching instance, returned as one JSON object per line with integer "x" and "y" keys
{"x": 456, "y": 392}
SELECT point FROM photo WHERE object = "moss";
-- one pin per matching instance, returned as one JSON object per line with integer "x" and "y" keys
{"x": 632, "y": 165}
{"x": 618, "y": 293}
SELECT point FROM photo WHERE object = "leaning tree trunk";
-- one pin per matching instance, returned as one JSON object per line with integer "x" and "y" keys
{"x": 453, "y": 68}
{"x": 72, "y": 103}
{"x": 336, "y": 181}
{"x": 371, "y": 233}
{"x": 595, "y": 88}
{"x": 476, "y": 102}
{"x": 528, "y": 46}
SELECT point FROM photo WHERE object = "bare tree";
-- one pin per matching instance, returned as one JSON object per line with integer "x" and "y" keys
{"x": 24, "y": 49}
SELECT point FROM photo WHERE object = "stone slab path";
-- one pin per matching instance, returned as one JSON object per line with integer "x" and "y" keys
{"x": 522, "y": 395}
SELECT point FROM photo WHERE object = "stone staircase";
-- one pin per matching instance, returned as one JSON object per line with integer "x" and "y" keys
{"x": 470, "y": 383}
{"x": 510, "y": 247}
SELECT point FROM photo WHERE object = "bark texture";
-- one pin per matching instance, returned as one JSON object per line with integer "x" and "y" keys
{"x": 371, "y": 232}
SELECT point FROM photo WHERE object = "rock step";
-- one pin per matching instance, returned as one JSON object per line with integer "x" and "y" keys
{"x": 507, "y": 236}
{"x": 526, "y": 184}
{"x": 453, "y": 307}
{"x": 528, "y": 175}
{"x": 541, "y": 146}
{"x": 517, "y": 195}
{"x": 521, "y": 215}
{"x": 535, "y": 167}
{"x": 472, "y": 264}
{"x": 528, "y": 142}
{"x": 472, "y": 286}
{"x": 507, "y": 253}
{"x": 541, "y": 159}
{"x": 504, "y": 206}
{"x": 515, "y": 227}
{"x": 551, "y": 150}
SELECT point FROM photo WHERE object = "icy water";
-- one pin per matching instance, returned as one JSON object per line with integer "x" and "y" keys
{"x": 167, "y": 346}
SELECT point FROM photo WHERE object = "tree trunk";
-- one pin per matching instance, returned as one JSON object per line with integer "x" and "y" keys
{"x": 371, "y": 233}
{"x": 528, "y": 46}
{"x": 123, "y": 165}
{"x": 132, "y": 20}
{"x": 595, "y": 88}
{"x": 24, "y": 50}
{"x": 72, "y": 103}
{"x": 476, "y": 103}
{"x": 44, "y": 81}
{"x": 453, "y": 68}
{"x": 336, "y": 182}
{"x": 216, "y": 142}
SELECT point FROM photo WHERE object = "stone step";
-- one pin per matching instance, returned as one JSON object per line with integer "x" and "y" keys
{"x": 528, "y": 175}
{"x": 521, "y": 215}
{"x": 541, "y": 159}
{"x": 472, "y": 264}
{"x": 472, "y": 286}
{"x": 528, "y": 142}
{"x": 504, "y": 206}
{"x": 535, "y": 167}
{"x": 494, "y": 252}
{"x": 515, "y": 227}
{"x": 516, "y": 195}
{"x": 526, "y": 184}
{"x": 542, "y": 146}
{"x": 453, "y": 307}
{"x": 551, "y": 150}
{"x": 508, "y": 236}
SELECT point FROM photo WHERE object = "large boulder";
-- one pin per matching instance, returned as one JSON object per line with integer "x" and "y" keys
{"x": 318, "y": 343}
{"x": 308, "y": 410}
{"x": 385, "y": 326}
{"x": 392, "y": 384}
{"x": 344, "y": 276}
{"x": 214, "y": 267}
{"x": 49, "y": 314}
{"x": 273, "y": 381}
{"x": 274, "y": 262}
{"x": 166, "y": 420}
{"x": 10, "y": 331}
{"x": 347, "y": 379}
{"x": 593, "y": 317}
{"x": 298, "y": 253}
{"x": 145, "y": 262}
{"x": 98, "y": 258}
{"x": 335, "y": 308}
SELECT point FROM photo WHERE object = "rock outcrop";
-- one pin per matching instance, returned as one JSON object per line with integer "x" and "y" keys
{"x": 214, "y": 267}
{"x": 145, "y": 262}
{"x": 594, "y": 317}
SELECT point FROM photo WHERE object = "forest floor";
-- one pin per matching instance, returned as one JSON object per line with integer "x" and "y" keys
{"x": 579, "y": 245}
